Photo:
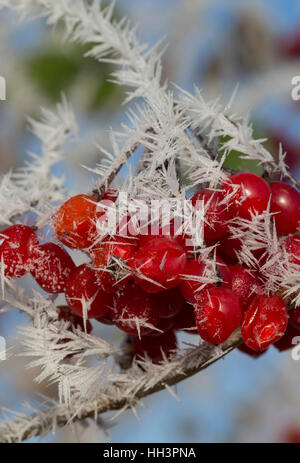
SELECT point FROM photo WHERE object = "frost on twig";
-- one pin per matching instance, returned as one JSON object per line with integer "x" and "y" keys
{"x": 125, "y": 393}
{"x": 197, "y": 134}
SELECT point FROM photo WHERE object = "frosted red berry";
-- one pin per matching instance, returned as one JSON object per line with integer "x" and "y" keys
{"x": 285, "y": 202}
{"x": 84, "y": 295}
{"x": 169, "y": 302}
{"x": 18, "y": 244}
{"x": 217, "y": 314}
{"x": 52, "y": 268}
{"x": 109, "y": 262}
{"x": 75, "y": 221}
{"x": 291, "y": 244}
{"x": 247, "y": 192}
{"x": 171, "y": 230}
{"x": 159, "y": 266}
{"x": 156, "y": 348}
{"x": 245, "y": 284}
{"x": 134, "y": 311}
{"x": 264, "y": 322}
{"x": 217, "y": 214}
{"x": 194, "y": 279}
{"x": 229, "y": 249}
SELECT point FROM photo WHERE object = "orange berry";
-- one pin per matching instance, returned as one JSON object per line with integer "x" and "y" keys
{"x": 75, "y": 222}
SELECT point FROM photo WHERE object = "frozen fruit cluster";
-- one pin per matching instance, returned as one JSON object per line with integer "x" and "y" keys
{"x": 152, "y": 286}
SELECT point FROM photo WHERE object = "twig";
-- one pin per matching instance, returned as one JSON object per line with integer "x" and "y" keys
{"x": 39, "y": 425}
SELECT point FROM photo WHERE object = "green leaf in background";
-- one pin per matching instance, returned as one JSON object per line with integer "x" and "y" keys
{"x": 52, "y": 72}
{"x": 55, "y": 68}
{"x": 234, "y": 159}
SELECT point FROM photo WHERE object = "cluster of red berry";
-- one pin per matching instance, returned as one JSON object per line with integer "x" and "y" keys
{"x": 151, "y": 286}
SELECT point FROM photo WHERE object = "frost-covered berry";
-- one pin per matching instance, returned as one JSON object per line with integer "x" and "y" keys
{"x": 18, "y": 244}
{"x": 155, "y": 348}
{"x": 217, "y": 314}
{"x": 134, "y": 311}
{"x": 109, "y": 262}
{"x": 247, "y": 192}
{"x": 192, "y": 280}
{"x": 75, "y": 221}
{"x": 158, "y": 266}
{"x": 291, "y": 244}
{"x": 84, "y": 296}
{"x": 52, "y": 268}
{"x": 264, "y": 322}
{"x": 245, "y": 284}
{"x": 217, "y": 214}
{"x": 195, "y": 278}
{"x": 285, "y": 202}
{"x": 171, "y": 229}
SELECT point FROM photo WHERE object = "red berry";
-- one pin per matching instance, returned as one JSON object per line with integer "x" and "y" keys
{"x": 191, "y": 283}
{"x": 245, "y": 284}
{"x": 159, "y": 266}
{"x": 169, "y": 302}
{"x": 217, "y": 313}
{"x": 229, "y": 249}
{"x": 83, "y": 294}
{"x": 110, "y": 275}
{"x": 285, "y": 201}
{"x": 134, "y": 310}
{"x": 264, "y": 322}
{"x": 156, "y": 348}
{"x": 287, "y": 340}
{"x": 171, "y": 230}
{"x": 193, "y": 280}
{"x": 249, "y": 191}
{"x": 75, "y": 221}
{"x": 119, "y": 246}
{"x": 52, "y": 268}
{"x": 65, "y": 313}
{"x": 217, "y": 215}
{"x": 292, "y": 246}
{"x": 185, "y": 320}
{"x": 17, "y": 250}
